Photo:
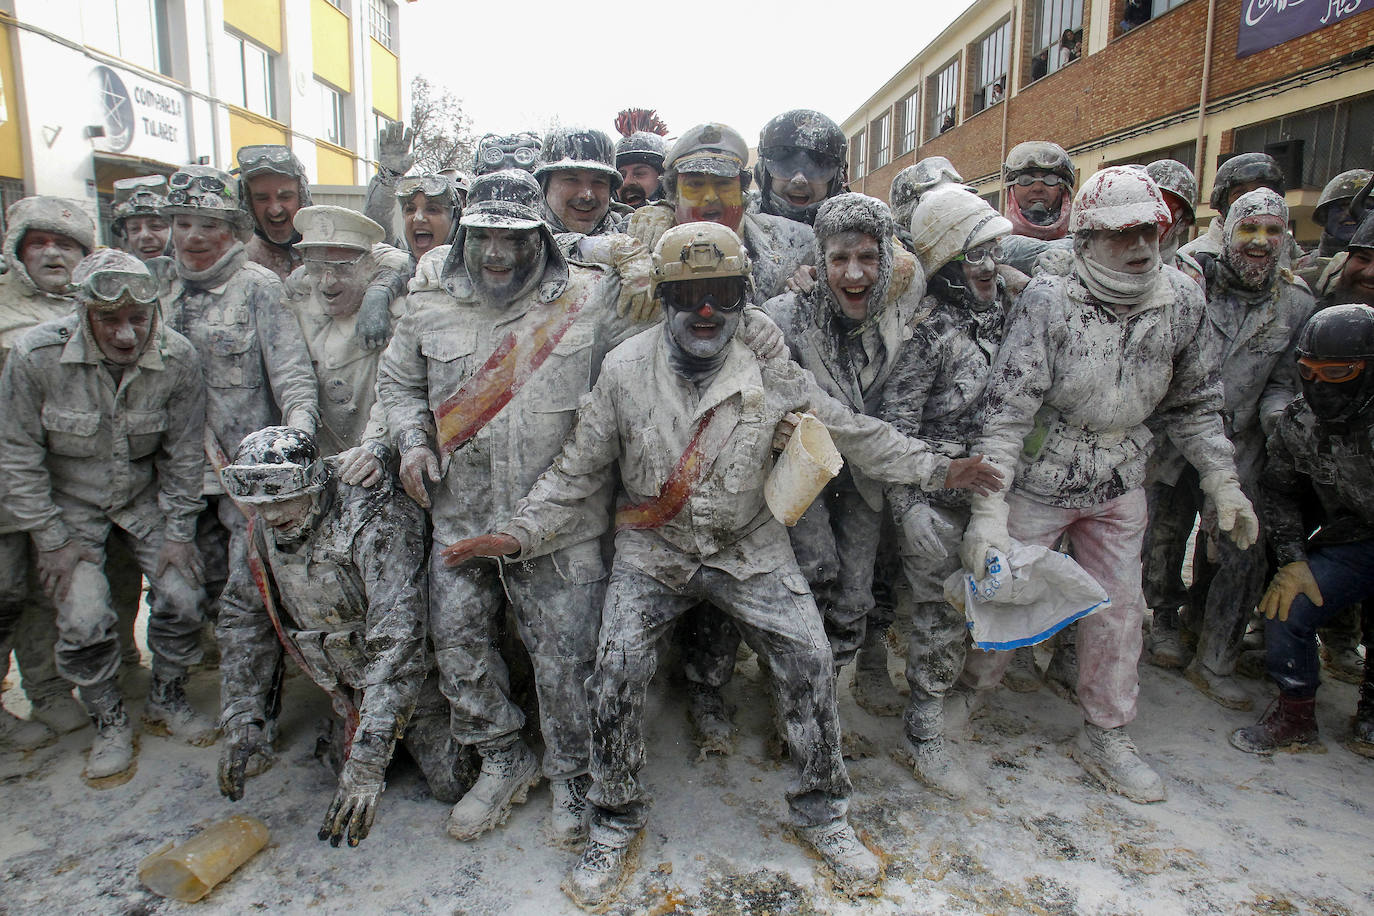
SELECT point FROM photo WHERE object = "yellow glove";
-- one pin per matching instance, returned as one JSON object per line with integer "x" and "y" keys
{"x": 1289, "y": 582}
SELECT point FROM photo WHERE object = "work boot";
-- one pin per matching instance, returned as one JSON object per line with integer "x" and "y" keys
{"x": 61, "y": 713}
{"x": 1223, "y": 688}
{"x": 1110, "y": 756}
{"x": 1166, "y": 644}
{"x": 852, "y": 866}
{"x": 507, "y": 775}
{"x": 1252, "y": 664}
{"x": 935, "y": 767}
{"x": 1022, "y": 676}
{"x": 1343, "y": 661}
{"x": 962, "y": 705}
{"x": 1062, "y": 672}
{"x": 568, "y": 813}
{"x": 1290, "y": 724}
{"x": 601, "y": 873}
{"x": 710, "y": 718}
{"x": 169, "y": 713}
{"x": 111, "y": 758}
{"x": 1362, "y": 727}
{"x": 873, "y": 690}
{"x": 18, "y": 734}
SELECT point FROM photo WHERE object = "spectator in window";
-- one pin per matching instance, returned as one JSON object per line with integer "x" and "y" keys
{"x": 1068, "y": 48}
{"x": 947, "y": 123}
{"x": 1040, "y": 64}
{"x": 995, "y": 93}
{"x": 1137, "y": 12}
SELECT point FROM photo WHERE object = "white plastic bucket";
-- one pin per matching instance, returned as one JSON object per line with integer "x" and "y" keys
{"x": 806, "y": 465}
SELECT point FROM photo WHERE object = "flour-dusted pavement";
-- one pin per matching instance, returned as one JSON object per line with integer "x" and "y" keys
{"x": 1238, "y": 834}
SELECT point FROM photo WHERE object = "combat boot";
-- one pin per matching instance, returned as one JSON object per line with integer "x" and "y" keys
{"x": 111, "y": 758}
{"x": 1362, "y": 728}
{"x": 1290, "y": 723}
{"x": 507, "y": 775}
{"x": 710, "y": 718}
{"x": 601, "y": 873}
{"x": 169, "y": 713}
{"x": 853, "y": 868}
{"x": 962, "y": 705}
{"x": 1166, "y": 644}
{"x": 1110, "y": 756}
{"x": 873, "y": 690}
{"x": 61, "y": 713}
{"x": 18, "y": 734}
{"x": 568, "y": 813}
{"x": 1343, "y": 660}
{"x": 935, "y": 767}
{"x": 1022, "y": 676}
{"x": 1224, "y": 689}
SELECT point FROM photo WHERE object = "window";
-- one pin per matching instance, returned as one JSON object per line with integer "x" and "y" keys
{"x": 1058, "y": 38}
{"x": 944, "y": 92}
{"x": 331, "y": 115}
{"x": 992, "y": 67}
{"x": 856, "y": 153}
{"x": 1139, "y": 12}
{"x": 908, "y": 119}
{"x": 251, "y": 83}
{"x": 135, "y": 30}
{"x": 381, "y": 20}
{"x": 337, "y": 4}
{"x": 880, "y": 141}
{"x": 1335, "y": 138}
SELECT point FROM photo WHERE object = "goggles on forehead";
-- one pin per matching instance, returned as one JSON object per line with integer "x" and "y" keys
{"x": 725, "y": 294}
{"x": 251, "y": 157}
{"x": 1048, "y": 179}
{"x": 429, "y": 185}
{"x": 210, "y": 201}
{"x": 113, "y": 285}
{"x": 181, "y": 181}
{"x": 812, "y": 167}
{"x": 142, "y": 181}
{"x": 265, "y": 483}
{"x": 1333, "y": 371}
{"x": 981, "y": 253}
{"x": 522, "y": 156}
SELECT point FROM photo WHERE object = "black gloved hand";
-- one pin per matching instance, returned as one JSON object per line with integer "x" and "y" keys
{"x": 244, "y": 742}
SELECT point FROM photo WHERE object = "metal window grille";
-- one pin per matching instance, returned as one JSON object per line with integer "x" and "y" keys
{"x": 993, "y": 54}
{"x": 856, "y": 153}
{"x": 908, "y": 120}
{"x": 946, "y": 87}
{"x": 880, "y": 143}
{"x": 1052, "y": 18}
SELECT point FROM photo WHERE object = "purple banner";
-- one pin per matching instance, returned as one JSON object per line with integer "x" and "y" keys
{"x": 1265, "y": 23}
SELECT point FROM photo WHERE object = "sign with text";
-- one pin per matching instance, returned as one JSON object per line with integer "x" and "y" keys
{"x": 140, "y": 117}
{"x": 1266, "y": 23}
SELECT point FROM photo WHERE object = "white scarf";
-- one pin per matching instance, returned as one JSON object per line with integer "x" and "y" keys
{"x": 1116, "y": 287}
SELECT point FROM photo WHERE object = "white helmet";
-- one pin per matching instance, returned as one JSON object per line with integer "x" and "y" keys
{"x": 948, "y": 221}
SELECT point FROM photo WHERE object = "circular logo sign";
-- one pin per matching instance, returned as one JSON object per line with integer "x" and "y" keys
{"x": 116, "y": 108}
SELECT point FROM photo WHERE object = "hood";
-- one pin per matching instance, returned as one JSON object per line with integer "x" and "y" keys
{"x": 456, "y": 282}
{"x": 851, "y": 212}
{"x": 46, "y": 214}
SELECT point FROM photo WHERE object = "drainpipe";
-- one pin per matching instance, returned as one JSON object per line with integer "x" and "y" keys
{"x": 1199, "y": 158}
{"x": 1013, "y": 66}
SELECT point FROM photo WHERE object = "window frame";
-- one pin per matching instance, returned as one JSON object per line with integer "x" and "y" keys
{"x": 269, "y": 75}
{"x": 880, "y": 141}
{"x": 858, "y": 152}
{"x": 987, "y": 79}
{"x": 333, "y": 108}
{"x": 907, "y": 121}
{"x": 382, "y": 13}
{"x": 945, "y": 89}
{"x": 1051, "y": 30}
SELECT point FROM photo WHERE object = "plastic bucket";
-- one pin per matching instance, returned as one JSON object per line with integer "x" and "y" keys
{"x": 189, "y": 871}
{"x": 806, "y": 465}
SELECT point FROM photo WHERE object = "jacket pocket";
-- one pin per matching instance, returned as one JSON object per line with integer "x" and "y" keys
{"x": 146, "y": 428}
{"x": 448, "y": 359}
{"x": 567, "y": 375}
{"x": 71, "y": 433}
{"x": 234, "y": 360}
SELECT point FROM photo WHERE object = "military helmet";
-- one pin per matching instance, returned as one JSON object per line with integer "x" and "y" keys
{"x": 108, "y": 277}
{"x": 1242, "y": 169}
{"x": 1176, "y": 178}
{"x": 699, "y": 251}
{"x": 1364, "y": 233}
{"x": 1116, "y": 198}
{"x": 805, "y": 129}
{"x": 1343, "y": 187}
{"x": 202, "y": 190}
{"x": 145, "y": 195}
{"x": 1339, "y": 334}
{"x": 1039, "y": 156}
{"x": 275, "y": 464}
{"x": 568, "y": 148}
{"x": 641, "y": 147}
{"x": 508, "y": 199}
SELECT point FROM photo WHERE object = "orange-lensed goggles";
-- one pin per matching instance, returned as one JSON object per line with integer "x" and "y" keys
{"x": 1330, "y": 370}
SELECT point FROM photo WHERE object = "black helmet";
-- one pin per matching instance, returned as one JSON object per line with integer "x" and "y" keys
{"x": 803, "y": 140}
{"x": 1242, "y": 169}
{"x": 1364, "y": 233}
{"x": 1341, "y": 332}
{"x": 577, "y": 148}
{"x": 643, "y": 148}
{"x": 274, "y": 464}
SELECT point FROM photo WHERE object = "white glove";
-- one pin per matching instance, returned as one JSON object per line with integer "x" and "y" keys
{"x": 429, "y": 268}
{"x": 635, "y": 265}
{"x": 987, "y": 530}
{"x": 648, "y": 223}
{"x": 926, "y": 531}
{"x": 1235, "y": 514}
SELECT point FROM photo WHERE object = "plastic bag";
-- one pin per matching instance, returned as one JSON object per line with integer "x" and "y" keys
{"x": 1025, "y": 596}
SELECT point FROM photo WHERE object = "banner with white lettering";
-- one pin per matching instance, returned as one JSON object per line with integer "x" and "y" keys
{"x": 140, "y": 117}
{"x": 1266, "y": 23}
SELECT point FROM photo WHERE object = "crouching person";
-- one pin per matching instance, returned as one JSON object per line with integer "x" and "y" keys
{"x": 103, "y": 433}
{"x": 690, "y": 413}
{"x": 341, "y": 570}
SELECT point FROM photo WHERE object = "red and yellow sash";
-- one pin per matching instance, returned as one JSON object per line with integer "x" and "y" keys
{"x": 696, "y": 462}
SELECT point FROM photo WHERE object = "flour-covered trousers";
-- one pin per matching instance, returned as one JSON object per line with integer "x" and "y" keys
{"x": 778, "y": 618}
{"x": 1106, "y": 543}
{"x": 557, "y": 621}
{"x": 87, "y": 639}
{"x": 28, "y": 622}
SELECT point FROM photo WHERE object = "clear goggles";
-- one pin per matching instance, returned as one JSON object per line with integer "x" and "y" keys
{"x": 522, "y": 156}
{"x": 265, "y": 483}
{"x": 429, "y": 185}
{"x": 724, "y": 294}
{"x": 113, "y": 285}
{"x": 982, "y": 253}
{"x": 157, "y": 182}
{"x": 184, "y": 181}
{"x": 812, "y": 167}
{"x": 254, "y": 157}
{"x": 210, "y": 201}
{"x": 1048, "y": 179}
{"x": 1333, "y": 371}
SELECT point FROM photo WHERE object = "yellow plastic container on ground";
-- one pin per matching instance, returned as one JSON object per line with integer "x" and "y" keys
{"x": 188, "y": 872}
{"x": 806, "y": 465}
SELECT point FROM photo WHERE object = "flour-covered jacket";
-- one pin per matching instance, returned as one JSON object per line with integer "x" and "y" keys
{"x": 1074, "y": 384}
{"x": 1251, "y": 339}
{"x": 71, "y": 436}
{"x": 443, "y": 340}
{"x": 257, "y": 370}
{"x": 643, "y": 414}
{"x": 353, "y": 598}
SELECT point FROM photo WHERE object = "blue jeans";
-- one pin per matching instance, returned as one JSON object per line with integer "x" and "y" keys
{"x": 1345, "y": 575}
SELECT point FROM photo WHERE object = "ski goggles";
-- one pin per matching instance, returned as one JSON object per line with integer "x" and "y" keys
{"x": 428, "y": 185}
{"x": 724, "y": 294}
{"x": 207, "y": 201}
{"x": 1333, "y": 371}
{"x": 812, "y": 167}
{"x": 114, "y": 285}
{"x": 265, "y": 483}
{"x": 982, "y": 253}
{"x": 521, "y": 157}
{"x": 157, "y": 182}
{"x": 1048, "y": 179}
{"x": 184, "y": 181}
{"x": 271, "y": 156}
